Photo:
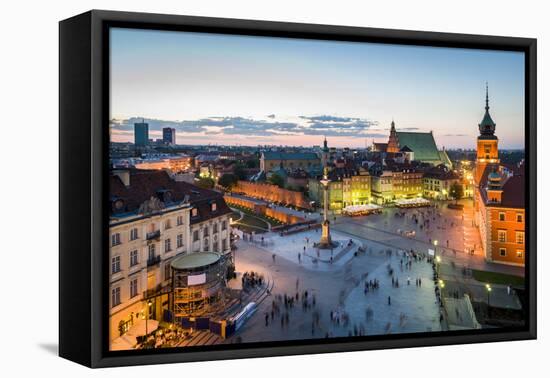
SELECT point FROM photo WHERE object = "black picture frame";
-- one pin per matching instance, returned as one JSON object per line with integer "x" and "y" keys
{"x": 83, "y": 231}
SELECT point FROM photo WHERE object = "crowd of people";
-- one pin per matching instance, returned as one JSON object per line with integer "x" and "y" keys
{"x": 252, "y": 280}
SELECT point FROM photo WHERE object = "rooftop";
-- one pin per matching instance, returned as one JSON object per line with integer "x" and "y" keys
{"x": 270, "y": 155}
{"x": 422, "y": 144}
{"x": 195, "y": 260}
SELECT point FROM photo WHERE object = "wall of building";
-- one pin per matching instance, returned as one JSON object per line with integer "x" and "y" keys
{"x": 263, "y": 210}
{"x": 510, "y": 226}
{"x": 212, "y": 235}
{"x": 272, "y": 193}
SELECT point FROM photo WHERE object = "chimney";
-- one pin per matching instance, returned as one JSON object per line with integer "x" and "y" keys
{"x": 124, "y": 176}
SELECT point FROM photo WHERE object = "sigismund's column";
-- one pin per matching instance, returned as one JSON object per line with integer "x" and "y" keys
{"x": 326, "y": 240}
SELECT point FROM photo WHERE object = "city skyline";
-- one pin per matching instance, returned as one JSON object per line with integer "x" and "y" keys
{"x": 219, "y": 89}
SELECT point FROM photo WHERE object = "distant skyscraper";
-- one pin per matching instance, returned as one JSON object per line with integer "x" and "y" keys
{"x": 141, "y": 133}
{"x": 169, "y": 135}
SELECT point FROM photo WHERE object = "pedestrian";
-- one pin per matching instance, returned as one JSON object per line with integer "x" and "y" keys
{"x": 389, "y": 301}
{"x": 509, "y": 289}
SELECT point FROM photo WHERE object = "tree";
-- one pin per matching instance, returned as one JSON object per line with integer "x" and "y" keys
{"x": 228, "y": 180}
{"x": 457, "y": 191}
{"x": 205, "y": 183}
{"x": 276, "y": 179}
{"x": 239, "y": 171}
{"x": 253, "y": 163}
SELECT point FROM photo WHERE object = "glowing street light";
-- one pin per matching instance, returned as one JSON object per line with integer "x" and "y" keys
{"x": 149, "y": 304}
{"x": 489, "y": 288}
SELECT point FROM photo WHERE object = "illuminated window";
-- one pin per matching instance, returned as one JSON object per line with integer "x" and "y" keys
{"x": 194, "y": 212}
{"x": 519, "y": 237}
{"x": 502, "y": 236}
{"x": 502, "y": 251}
{"x": 519, "y": 254}
{"x": 214, "y": 207}
{"x": 501, "y": 216}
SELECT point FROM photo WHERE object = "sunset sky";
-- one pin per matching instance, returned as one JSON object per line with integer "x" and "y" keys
{"x": 219, "y": 89}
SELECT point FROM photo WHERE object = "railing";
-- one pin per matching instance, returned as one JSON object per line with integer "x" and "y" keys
{"x": 153, "y": 235}
{"x": 153, "y": 260}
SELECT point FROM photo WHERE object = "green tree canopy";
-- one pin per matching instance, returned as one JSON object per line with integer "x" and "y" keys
{"x": 205, "y": 183}
{"x": 457, "y": 191}
{"x": 239, "y": 171}
{"x": 276, "y": 179}
{"x": 228, "y": 180}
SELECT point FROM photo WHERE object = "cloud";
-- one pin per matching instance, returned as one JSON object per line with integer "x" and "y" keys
{"x": 408, "y": 128}
{"x": 455, "y": 135}
{"x": 315, "y": 125}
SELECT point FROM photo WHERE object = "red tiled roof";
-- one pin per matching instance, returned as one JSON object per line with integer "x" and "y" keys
{"x": 513, "y": 194}
{"x": 145, "y": 184}
{"x": 513, "y": 190}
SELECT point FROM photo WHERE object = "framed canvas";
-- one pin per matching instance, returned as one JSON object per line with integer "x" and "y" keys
{"x": 235, "y": 188}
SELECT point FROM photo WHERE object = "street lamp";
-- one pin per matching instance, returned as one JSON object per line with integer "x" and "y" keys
{"x": 489, "y": 288}
{"x": 441, "y": 284}
{"x": 149, "y": 304}
{"x": 437, "y": 263}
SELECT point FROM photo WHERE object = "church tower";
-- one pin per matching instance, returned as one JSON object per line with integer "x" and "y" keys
{"x": 325, "y": 154}
{"x": 393, "y": 143}
{"x": 487, "y": 142}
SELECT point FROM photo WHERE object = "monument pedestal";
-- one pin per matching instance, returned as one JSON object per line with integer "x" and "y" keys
{"x": 326, "y": 240}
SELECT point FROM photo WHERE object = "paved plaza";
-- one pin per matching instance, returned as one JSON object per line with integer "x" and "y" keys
{"x": 338, "y": 288}
{"x": 338, "y": 302}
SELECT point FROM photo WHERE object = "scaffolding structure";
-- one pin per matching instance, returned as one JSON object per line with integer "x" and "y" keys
{"x": 198, "y": 282}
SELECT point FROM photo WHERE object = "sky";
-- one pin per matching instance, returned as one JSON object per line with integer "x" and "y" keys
{"x": 245, "y": 90}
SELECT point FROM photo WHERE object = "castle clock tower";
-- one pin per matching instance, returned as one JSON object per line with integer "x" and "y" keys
{"x": 487, "y": 142}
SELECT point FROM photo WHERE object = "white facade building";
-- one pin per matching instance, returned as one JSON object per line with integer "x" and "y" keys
{"x": 145, "y": 239}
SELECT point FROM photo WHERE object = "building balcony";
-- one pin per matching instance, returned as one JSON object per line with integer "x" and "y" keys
{"x": 151, "y": 261}
{"x": 153, "y": 235}
{"x": 156, "y": 291}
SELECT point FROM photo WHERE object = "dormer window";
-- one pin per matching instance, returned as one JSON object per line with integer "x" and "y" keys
{"x": 213, "y": 206}
{"x": 194, "y": 212}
